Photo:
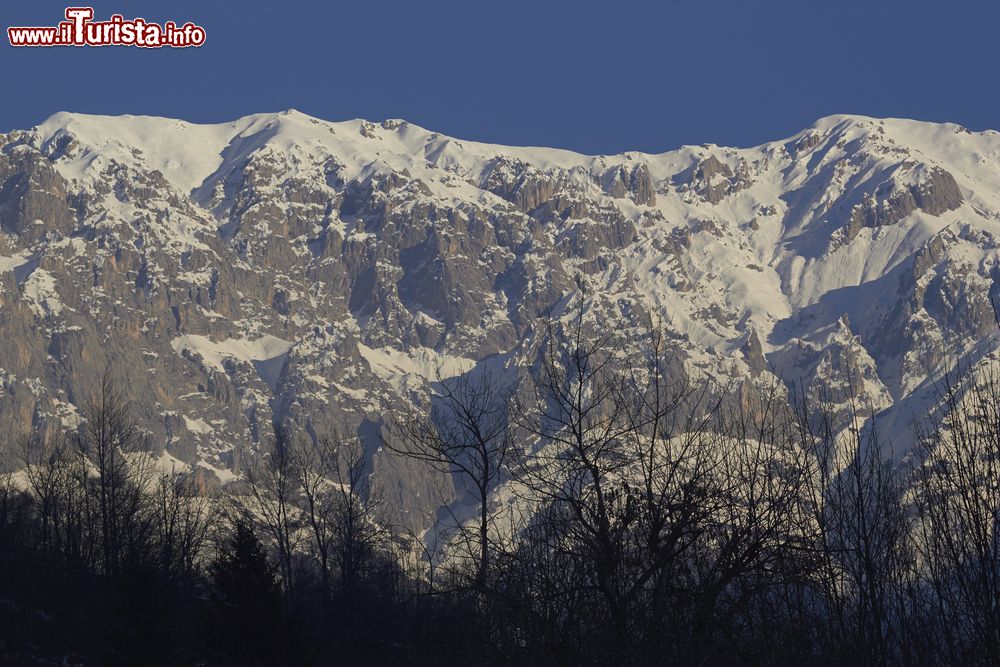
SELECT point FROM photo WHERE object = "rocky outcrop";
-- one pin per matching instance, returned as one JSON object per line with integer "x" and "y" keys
{"x": 634, "y": 182}
{"x": 518, "y": 182}
{"x": 713, "y": 180}
{"x": 33, "y": 196}
{"x": 891, "y": 202}
{"x": 753, "y": 354}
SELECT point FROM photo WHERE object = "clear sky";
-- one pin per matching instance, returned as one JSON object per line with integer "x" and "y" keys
{"x": 596, "y": 77}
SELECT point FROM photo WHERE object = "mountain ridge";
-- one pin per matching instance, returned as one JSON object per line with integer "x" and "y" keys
{"x": 823, "y": 123}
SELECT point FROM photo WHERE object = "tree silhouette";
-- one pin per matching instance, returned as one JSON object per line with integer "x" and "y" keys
{"x": 244, "y": 624}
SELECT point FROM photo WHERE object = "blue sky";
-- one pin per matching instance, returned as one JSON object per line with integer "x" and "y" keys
{"x": 597, "y": 77}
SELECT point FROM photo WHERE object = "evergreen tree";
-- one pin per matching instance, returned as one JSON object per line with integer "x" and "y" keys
{"x": 244, "y": 624}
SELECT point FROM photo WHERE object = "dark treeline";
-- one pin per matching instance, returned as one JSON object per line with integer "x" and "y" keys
{"x": 612, "y": 513}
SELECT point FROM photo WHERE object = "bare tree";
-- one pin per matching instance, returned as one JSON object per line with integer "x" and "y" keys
{"x": 271, "y": 502}
{"x": 11, "y": 503}
{"x": 116, "y": 465}
{"x": 182, "y": 523}
{"x": 957, "y": 483}
{"x": 861, "y": 534}
{"x": 48, "y": 470}
{"x": 358, "y": 537}
{"x": 620, "y": 505}
{"x": 339, "y": 507}
{"x": 661, "y": 507}
{"x": 312, "y": 467}
{"x": 467, "y": 435}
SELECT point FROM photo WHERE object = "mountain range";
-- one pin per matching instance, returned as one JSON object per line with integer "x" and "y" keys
{"x": 281, "y": 268}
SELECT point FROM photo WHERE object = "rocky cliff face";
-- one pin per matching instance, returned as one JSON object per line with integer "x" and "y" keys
{"x": 281, "y": 268}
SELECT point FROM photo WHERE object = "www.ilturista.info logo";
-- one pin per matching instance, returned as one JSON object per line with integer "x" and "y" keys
{"x": 79, "y": 29}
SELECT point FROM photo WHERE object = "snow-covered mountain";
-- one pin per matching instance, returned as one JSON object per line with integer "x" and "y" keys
{"x": 281, "y": 267}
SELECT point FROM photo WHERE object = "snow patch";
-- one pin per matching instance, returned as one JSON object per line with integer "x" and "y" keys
{"x": 266, "y": 354}
{"x": 197, "y": 426}
{"x": 406, "y": 371}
